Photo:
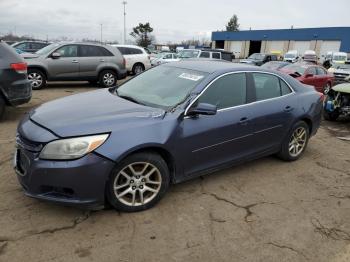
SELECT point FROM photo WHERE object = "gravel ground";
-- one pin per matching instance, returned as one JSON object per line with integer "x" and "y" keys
{"x": 265, "y": 210}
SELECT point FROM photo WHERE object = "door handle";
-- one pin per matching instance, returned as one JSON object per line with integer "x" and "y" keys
{"x": 102, "y": 60}
{"x": 244, "y": 120}
{"x": 288, "y": 109}
{"x": 74, "y": 61}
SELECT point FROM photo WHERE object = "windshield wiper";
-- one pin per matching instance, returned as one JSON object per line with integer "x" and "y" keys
{"x": 129, "y": 98}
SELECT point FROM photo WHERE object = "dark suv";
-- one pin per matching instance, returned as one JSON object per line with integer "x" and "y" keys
{"x": 15, "y": 88}
{"x": 30, "y": 46}
{"x": 259, "y": 59}
{"x": 76, "y": 62}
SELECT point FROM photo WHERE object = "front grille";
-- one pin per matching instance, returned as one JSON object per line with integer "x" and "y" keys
{"x": 25, "y": 143}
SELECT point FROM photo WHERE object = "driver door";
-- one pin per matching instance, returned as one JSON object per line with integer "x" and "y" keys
{"x": 209, "y": 141}
{"x": 66, "y": 66}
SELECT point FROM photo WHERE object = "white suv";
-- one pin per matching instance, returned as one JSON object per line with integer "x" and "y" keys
{"x": 136, "y": 58}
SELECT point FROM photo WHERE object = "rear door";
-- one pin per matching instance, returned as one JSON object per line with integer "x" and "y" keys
{"x": 312, "y": 78}
{"x": 273, "y": 111}
{"x": 65, "y": 67}
{"x": 322, "y": 78}
{"x": 209, "y": 141}
{"x": 90, "y": 58}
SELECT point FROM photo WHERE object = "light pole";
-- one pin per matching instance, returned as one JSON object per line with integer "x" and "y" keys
{"x": 101, "y": 32}
{"x": 124, "y": 4}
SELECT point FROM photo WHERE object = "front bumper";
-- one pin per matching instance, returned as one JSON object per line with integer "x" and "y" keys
{"x": 78, "y": 182}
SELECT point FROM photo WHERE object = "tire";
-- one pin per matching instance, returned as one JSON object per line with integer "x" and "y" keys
{"x": 107, "y": 78}
{"x": 148, "y": 167}
{"x": 290, "y": 148}
{"x": 2, "y": 107}
{"x": 37, "y": 79}
{"x": 138, "y": 68}
{"x": 330, "y": 116}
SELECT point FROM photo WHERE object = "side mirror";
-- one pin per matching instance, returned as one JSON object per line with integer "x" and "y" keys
{"x": 55, "y": 55}
{"x": 309, "y": 75}
{"x": 202, "y": 109}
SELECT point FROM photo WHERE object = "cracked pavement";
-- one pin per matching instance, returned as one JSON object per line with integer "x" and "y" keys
{"x": 264, "y": 210}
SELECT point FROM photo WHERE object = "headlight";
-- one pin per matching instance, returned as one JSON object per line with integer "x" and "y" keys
{"x": 72, "y": 148}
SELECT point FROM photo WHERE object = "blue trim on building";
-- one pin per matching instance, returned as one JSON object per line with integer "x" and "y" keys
{"x": 301, "y": 34}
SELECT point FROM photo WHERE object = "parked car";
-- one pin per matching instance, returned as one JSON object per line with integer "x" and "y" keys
{"x": 337, "y": 102}
{"x": 30, "y": 46}
{"x": 291, "y": 56}
{"x": 15, "y": 88}
{"x": 341, "y": 72}
{"x": 310, "y": 74}
{"x": 76, "y": 62}
{"x": 162, "y": 58}
{"x": 259, "y": 59}
{"x": 171, "y": 123}
{"x": 275, "y": 65}
{"x": 206, "y": 53}
{"x": 310, "y": 56}
{"x": 137, "y": 59}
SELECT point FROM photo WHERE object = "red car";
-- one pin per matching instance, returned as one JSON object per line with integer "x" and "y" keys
{"x": 310, "y": 74}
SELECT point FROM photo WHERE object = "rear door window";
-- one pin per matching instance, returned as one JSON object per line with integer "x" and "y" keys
{"x": 216, "y": 55}
{"x": 269, "y": 86}
{"x": 227, "y": 91}
{"x": 320, "y": 71}
{"x": 311, "y": 70}
{"x": 205, "y": 55}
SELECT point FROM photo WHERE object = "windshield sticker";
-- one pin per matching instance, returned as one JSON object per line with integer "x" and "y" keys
{"x": 190, "y": 77}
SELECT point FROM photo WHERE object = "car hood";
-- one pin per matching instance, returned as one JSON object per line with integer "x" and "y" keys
{"x": 247, "y": 61}
{"x": 344, "y": 71}
{"x": 343, "y": 88}
{"x": 92, "y": 113}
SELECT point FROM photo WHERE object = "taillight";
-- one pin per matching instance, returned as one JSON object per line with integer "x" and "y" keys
{"x": 20, "y": 68}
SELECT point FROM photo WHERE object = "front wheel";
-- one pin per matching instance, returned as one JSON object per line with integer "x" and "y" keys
{"x": 295, "y": 143}
{"x": 138, "y": 182}
{"x": 108, "y": 78}
{"x": 37, "y": 79}
{"x": 330, "y": 116}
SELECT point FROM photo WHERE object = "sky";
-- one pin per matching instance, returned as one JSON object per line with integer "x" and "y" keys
{"x": 173, "y": 21}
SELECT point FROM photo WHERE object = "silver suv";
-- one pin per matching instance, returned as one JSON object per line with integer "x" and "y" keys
{"x": 75, "y": 62}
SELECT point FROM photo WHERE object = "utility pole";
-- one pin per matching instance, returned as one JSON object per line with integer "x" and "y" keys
{"x": 101, "y": 32}
{"x": 124, "y": 4}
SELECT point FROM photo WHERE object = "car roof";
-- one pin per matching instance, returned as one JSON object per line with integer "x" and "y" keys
{"x": 211, "y": 65}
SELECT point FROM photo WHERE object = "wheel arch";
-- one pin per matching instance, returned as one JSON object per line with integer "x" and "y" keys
{"x": 100, "y": 70}
{"x": 308, "y": 121}
{"x": 42, "y": 69}
{"x": 157, "y": 149}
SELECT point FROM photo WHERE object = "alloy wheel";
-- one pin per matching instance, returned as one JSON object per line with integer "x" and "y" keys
{"x": 137, "y": 184}
{"x": 297, "y": 142}
{"x": 108, "y": 79}
{"x": 35, "y": 79}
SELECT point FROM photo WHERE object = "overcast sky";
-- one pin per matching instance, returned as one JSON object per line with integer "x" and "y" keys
{"x": 172, "y": 20}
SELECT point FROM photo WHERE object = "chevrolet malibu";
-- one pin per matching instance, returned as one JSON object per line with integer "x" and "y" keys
{"x": 172, "y": 123}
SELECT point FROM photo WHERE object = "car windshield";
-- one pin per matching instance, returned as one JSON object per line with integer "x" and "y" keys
{"x": 188, "y": 53}
{"x": 289, "y": 55}
{"x": 161, "y": 87}
{"x": 257, "y": 56}
{"x": 295, "y": 68}
{"x": 47, "y": 49}
{"x": 339, "y": 58}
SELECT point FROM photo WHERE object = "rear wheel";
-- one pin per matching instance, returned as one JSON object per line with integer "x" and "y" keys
{"x": 138, "y": 182}
{"x": 2, "y": 107}
{"x": 108, "y": 78}
{"x": 138, "y": 68}
{"x": 37, "y": 79}
{"x": 295, "y": 143}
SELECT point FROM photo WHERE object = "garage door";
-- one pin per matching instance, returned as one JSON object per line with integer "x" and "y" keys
{"x": 236, "y": 48}
{"x": 327, "y": 46}
{"x": 301, "y": 46}
{"x": 275, "y": 46}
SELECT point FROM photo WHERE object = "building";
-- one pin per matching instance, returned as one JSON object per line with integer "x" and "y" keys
{"x": 321, "y": 40}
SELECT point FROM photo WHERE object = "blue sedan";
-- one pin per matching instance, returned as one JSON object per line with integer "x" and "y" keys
{"x": 169, "y": 124}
